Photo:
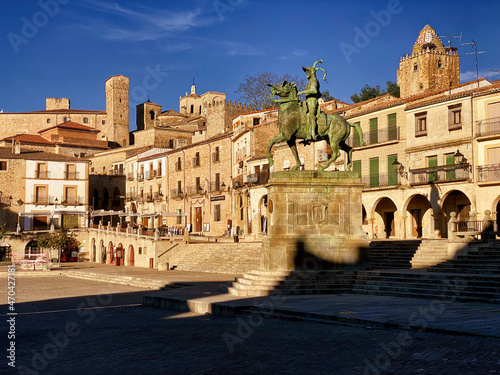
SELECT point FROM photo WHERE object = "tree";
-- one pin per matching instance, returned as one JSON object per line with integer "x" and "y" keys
{"x": 325, "y": 95}
{"x": 369, "y": 92}
{"x": 62, "y": 240}
{"x": 256, "y": 92}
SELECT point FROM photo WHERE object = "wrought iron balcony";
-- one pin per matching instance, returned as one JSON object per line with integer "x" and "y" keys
{"x": 371, "y": 138}
{"x": 445, "y": 173}
{"x": 176, "y": 194}
{"x": 195, "y": 190}
{"x": 490, "y": 126}
{"x": 259, "y": 178}
{"x": 488, "y": 173}
{"x": 380, "y": 181}
{"x": 71, "y": 175}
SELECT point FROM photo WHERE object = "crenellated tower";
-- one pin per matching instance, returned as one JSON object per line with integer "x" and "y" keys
{"x": 431, "y": 66}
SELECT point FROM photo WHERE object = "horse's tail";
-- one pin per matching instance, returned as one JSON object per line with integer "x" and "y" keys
{"x": 359, "y": 131}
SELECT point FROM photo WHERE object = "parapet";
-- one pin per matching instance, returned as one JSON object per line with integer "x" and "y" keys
{"x": 55, "y": 103}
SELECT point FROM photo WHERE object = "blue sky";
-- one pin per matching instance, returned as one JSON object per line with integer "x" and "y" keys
{"x": 68, "y": 48}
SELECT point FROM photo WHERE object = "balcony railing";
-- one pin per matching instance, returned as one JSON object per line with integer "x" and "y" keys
{"x": 380, "y": 181}
{"x": 215, "y": 157}
{"x": 42, "y": 175}
{"x": 380, "y": 136}
{"x": 488, "y": 173}
{"x": 158, "y": 196}
{"x": 149, "y": 197}
{"x": 130, "y": 176}
{"x": 71, "y": 175}
{"x": 73, "y": 201}
{"x": 130, "y": 196}
{"x": 440, "y": 174}
{"x": 238, "y": 182}
{"x": 178, "y": 166}
{"x": 196, "y": 162}
{"x": 258, "y": 178}
{"x": 489, "y": 126}
{"x": 176, "y": 194}
{"x": 140, "y": 177}
{"x": 195, "y": 190}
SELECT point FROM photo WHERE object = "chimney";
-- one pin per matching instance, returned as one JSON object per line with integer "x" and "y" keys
{"x": 17, "y": 148}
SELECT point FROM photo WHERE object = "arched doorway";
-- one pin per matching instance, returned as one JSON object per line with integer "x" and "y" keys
{"x": 94, "y": 250}
{"x": 32, "y": 247}
{"x": 457, "y": 202}
{"x": 120, "y": 255}
{"x": 384, "y": 225}
{"x": 131, "y": 257}
{"x": 264, "y": 219}
{"x": 111, "y": 253}
{"x": 103, "y": 252}
{"x": 419, "y": 217}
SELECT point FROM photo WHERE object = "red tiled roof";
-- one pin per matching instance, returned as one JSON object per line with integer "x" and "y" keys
{"x": 28, "y": 138}
{"x": 73, "y": 126}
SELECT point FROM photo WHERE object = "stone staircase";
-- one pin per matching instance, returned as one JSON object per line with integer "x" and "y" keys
{"x": 215, "y": 257}
{"x": 430, "y": 252}
{"x": 439, "y": 286}
{"x": 387, "y": 254}
{"x": 481, "y": 258}
{"x": 265, "y": 283}
{"x": 140, "y": 282}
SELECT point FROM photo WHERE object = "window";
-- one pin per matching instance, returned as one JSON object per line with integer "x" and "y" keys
{"x": 256, "y": 121}
{"x": 152, "y": 115}
{"x": 450, "y": 161}
{"x": 196, "y": 160}
{"x": 159, "y": 174}
{"x": 41, "y": 170}
{"x": 48, "y": 121}
{"x": 70, "y": 195}
{"x": 356, "y": 167}
{"x": 199, "y": 189}
{"x": 179, "y": 216}
{"x": 103, "y": 122}
{"x": 440, "y": 64}
{"x": 415, "y": 67}
{"x": 178, "y": 164}
{"x": 85, "y": 120}
{"x": 421, "y": 124}
{"x": 217, "y": 182}
{"x": 373, "y": 131}
{"x": 432, "y": 163}
{"x": 217, "y": 212}
{"x": 170, "y": 143}
{"x": 70, "y": 173}
{"x": 179, "y": 187}
{"x": 192, "y": 108}
{"x": 356, "y": 139}
{"x": 65, "y": 119}
{"x": 392, "y": 175}
{"x": 392, "y": 128}
{"x": 41, "y": 194}
{"x": 216, "y": 155}
{"x": 455, "y": 117}
{"x": 374, "y": 175}
{"x": 3, "y": 165}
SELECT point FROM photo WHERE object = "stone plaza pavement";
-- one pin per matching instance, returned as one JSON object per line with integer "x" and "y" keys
{"x": 200, "y": 292}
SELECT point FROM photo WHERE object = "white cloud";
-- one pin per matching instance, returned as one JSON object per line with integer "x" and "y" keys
{"x": 471, "y": 75}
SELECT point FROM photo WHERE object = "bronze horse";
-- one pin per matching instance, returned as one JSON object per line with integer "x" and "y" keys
{"x": 291, "y": 117}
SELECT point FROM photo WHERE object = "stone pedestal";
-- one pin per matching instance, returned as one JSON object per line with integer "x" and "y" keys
{"x": 315, "y": 222}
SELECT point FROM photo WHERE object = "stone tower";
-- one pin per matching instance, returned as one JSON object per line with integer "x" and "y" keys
{"x": 117, "y": 111}
{"x": 431, "y": 66}
{"x": 147, "y": 115}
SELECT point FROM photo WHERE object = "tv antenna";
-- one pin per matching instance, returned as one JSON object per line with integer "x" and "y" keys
{"x": 450, "y": 37}
{"x": 476, "y": 52}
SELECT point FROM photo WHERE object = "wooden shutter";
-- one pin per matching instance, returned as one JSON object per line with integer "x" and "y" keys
{"x": 392, "y": 175}
{"x": 356, "y": 141}
{"x": 392, "y": 127}
{"x": 374, "y": 175}
{"x": 356, "y": 167}
{"x": 432, "y": 162}
{"x": 373, "y": 130}
{"x": 450, "y": 172}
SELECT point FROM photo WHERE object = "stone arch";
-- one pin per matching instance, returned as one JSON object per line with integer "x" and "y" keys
{"x": 383, "y": 218}
{"x": 116, "y": 202}
{"x": 495, "y": 211}
{"x": 458, "y": 202}
{"x": 110, "y": 254}
{"x": 95, "y": 199}
{"x": 131, "y": 256}
{"x": 32, "y": 247}
{"x": 418, "y": 217}
{"x": 102, "y": 249}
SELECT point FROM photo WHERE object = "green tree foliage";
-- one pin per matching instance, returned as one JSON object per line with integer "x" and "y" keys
{"x": 369, "y": 92}
{"x": 62, "y": 240}
{"x": 326, "y": 96}
{"x": 256, "y": 92}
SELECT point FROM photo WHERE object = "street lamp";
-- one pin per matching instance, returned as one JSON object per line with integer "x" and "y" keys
{"x": 459, "y": 157}
{"x": 398, "y": 167}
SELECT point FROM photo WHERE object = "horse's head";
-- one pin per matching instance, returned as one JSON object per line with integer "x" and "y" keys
{"x": 285, "y": 90}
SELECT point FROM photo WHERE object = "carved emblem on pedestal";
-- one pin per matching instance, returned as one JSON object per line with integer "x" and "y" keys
{"x": 319, "y": 213}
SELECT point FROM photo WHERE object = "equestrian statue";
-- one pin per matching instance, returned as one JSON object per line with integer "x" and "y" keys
{"x": 306, "y": 121}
